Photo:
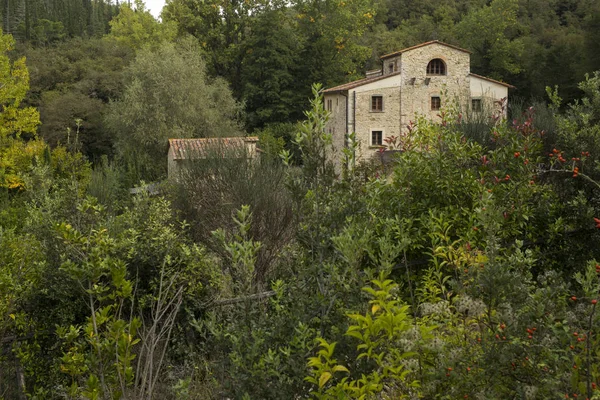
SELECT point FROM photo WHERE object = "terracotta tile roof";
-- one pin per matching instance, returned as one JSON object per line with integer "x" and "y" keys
{"x": 193, "y": 148}
{"x": 395, "y": 53}
{"x": 360, "y": 82}
{"x": 485, "y": 78}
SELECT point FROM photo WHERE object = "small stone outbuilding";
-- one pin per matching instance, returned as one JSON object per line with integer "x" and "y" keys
{"x": 184, "y": 151}
{"x": 419, "y": 80}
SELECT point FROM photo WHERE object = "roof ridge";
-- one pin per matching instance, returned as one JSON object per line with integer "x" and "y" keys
{"x": 422, "y": 45}
{"x": 206, "y": 139}
{"x": 359, "y": 82}
{"x": 493, "y": 80}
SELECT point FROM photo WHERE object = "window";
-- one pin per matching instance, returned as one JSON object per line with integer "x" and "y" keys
{"x": 436, "y": 67}
{"x": 376, "y": 138}
{"x": 436, "y": 103}
{"x": 377, "y": 103}
{"x": 476, "y": 105}
{"x": 391, "y": 67}
{"x": 329, "y": 105}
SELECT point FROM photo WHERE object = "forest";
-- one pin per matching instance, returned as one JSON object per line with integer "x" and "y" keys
{"x": 467, "y": 267}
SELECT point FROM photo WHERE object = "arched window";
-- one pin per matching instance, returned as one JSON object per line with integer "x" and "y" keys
{"x": 436, "y": 67}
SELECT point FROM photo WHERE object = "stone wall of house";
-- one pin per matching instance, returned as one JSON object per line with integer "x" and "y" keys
{"x": 336, "y": 125}
{"x": 489, "y": 93}
{"x": 392, "y": 64}
{"x": 418, "y": 88}
{"x": 367, "y": 120}
{"x": 407, "y": 92}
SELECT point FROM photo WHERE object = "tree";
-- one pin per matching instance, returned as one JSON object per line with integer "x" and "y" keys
{"x": 169, "y": 95}
{"x": 14, "y": 84}
{"x": 270, "y": 65}
{"x": 592, "y": 39}
{"x": 138, "y": 28}
{"x": 331, "y": 32}
{"x": 220, "y": 26}
{"x": 47, "y": 32}
{"x": 16, "y": 122}
{"x": 75, "y": 80}
{"x": 493, "y": 34}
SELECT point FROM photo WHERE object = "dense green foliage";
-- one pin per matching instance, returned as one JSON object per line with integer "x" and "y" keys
{"x": 465, "y": 266}
{"x": 160, "y": 101}
{"x": 271, "y": 52}
{"x": 46, "y": 22}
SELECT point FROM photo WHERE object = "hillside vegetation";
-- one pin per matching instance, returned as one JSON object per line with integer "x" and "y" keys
{"x": 468, "y": 267}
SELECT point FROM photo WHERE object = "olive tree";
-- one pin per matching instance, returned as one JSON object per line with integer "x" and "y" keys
{"x": 168, "y": 95}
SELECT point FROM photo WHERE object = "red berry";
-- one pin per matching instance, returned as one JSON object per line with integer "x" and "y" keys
{"x": 574, "y": 298}
{"x": 594, "y": 301}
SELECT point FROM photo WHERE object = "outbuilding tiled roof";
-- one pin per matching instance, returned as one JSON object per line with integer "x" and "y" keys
{"x": 395, "y": 53}
{"x": 360, "y": 82}
{"x": 485, "y": 78}
{"x": 182, "y": 149}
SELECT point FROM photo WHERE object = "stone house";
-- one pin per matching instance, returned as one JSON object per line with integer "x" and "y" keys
{"x": 419, "y": 80}
{"x": 184, "y": 151}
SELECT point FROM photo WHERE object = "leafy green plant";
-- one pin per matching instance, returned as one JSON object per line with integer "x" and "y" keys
{"x": 99, "y": 354}
{"x": 380, "y": 332}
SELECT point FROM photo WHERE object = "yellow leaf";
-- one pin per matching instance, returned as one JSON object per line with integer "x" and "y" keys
{"x": 375, "y": 308}
{"x": 12, "y": 316}
{"x": 325, "y": 376}
{"x": 341, "y": 368}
